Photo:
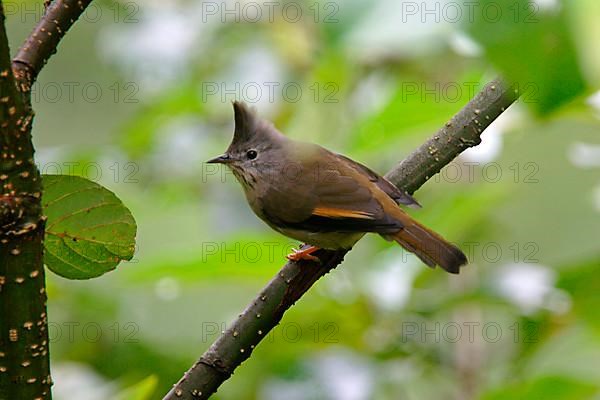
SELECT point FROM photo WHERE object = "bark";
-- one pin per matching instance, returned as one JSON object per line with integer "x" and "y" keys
{"x": 24, "y": 356}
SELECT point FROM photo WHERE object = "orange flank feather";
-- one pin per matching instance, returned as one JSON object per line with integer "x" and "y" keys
{"x": 340, "y": 213}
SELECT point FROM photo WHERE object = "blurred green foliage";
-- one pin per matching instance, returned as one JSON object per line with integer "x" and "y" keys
{"x": 377, "y": 79}
{"x": 523, "y": 40}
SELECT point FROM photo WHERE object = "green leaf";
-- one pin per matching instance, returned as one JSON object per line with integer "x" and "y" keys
{"x": 89, "y": 230}
{"x": 142, "y": 390}
{"x": 533, "y": 47}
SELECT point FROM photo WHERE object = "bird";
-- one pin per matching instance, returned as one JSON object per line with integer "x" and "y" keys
{"x": 324, "y": 199}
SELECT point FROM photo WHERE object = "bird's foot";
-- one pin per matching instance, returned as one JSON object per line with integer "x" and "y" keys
{"x": 304, "y": 254}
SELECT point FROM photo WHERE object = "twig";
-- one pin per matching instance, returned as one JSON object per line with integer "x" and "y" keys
{"x": 235, "y": 344}
{"x": 41, "y": 44}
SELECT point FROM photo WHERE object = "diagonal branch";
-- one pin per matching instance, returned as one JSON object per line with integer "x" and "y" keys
{"x": 236, "y": 343}
{"x": 461, "y": 132}
{"x": 42, "y": 43}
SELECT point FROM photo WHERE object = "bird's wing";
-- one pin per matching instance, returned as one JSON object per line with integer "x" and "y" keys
{"x": 398, "y": 195}
{"x": 330, "y": 196}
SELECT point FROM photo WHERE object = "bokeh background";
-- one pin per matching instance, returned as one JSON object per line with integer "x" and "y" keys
{"x": 139, "y": 95}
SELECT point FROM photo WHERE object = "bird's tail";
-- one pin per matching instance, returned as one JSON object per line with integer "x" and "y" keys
{"x": 430, "y": 247}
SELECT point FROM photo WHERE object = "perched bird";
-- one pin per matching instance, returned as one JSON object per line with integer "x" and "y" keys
{"x": 324, "y": 199}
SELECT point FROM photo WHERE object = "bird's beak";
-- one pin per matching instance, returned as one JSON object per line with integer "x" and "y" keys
{"x": 222, "y": 159}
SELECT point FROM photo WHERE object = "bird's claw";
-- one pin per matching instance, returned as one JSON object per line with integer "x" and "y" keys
{"x": 303, "y": 254}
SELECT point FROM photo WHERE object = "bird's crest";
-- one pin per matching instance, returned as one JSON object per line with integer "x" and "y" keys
{"x": 246, "y": 121}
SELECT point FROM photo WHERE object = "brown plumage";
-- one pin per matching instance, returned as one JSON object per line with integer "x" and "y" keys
{"x": 324, "y": 199}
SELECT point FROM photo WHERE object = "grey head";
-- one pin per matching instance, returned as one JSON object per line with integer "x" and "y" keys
{"x": 257, "y": 148}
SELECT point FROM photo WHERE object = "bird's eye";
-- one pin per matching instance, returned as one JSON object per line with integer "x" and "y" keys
{"x": 251, "y": 154}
